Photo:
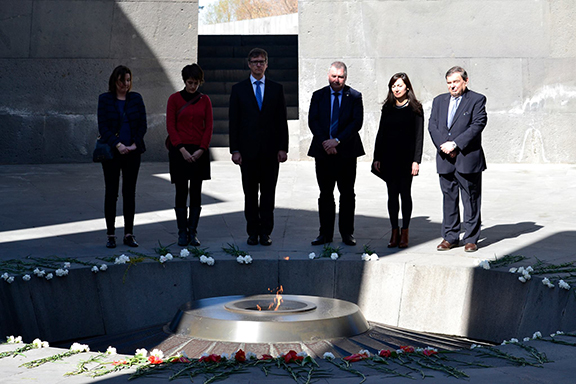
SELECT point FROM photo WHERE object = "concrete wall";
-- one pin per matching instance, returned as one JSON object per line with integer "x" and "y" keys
{"x": 56, "y": 57}
{"x": 520, "y": 53}
{"x": 275, "y": 25}
{"x": 469, "y": 302}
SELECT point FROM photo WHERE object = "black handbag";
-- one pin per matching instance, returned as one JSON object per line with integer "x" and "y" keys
{"x": 102, "y": 151}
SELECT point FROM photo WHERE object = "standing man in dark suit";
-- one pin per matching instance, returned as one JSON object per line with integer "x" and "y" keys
{"x": 456, "y": 124}
{"x": 258, "y": 130}
{"x": 335, "y": 117}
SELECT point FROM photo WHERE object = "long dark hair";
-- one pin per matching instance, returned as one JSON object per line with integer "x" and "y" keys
{"x": 412, "y": 100}
{"x": 119, "y": 73}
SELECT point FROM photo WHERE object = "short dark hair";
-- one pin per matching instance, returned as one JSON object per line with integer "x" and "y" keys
{"x": 457, "y": 69}
{"x": 118, "y": 73}
{"x": 255, "y": 52}
{"x": 193, "y": 71}
{"x": 340, "y": 65}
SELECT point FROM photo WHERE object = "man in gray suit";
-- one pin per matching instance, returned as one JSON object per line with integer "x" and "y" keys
{"x": 456, "y": 124}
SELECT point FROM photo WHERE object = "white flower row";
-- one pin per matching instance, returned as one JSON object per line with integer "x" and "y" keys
{"x": 76, "y": 347}
{"x": 367, "y": 257}
{"x": 207, "y": 260}
{"x": 537, "y": 335}
{"x": 95, "y": 268}
{"x": 9, "y": 279}
{"x": 244, "y": 259}
{"x": 14, "y": 339}
{"x": 525, "y": 272}
{"x": 37, "y": 343}
{"x": 525, "y": 276}
{"x": 122, "y": 259}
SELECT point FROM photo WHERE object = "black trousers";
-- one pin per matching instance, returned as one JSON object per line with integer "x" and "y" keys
{"x": 259, "y": 176}
{"x": 128, "y": 165}
{"x": 332, "y": 171}
{"x": 400, "y": 188}
{"x": 469, "y": 187}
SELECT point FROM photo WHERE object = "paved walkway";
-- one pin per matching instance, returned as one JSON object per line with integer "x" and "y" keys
{"x": 527, "y": 210}
{"x": 57, "y": 209}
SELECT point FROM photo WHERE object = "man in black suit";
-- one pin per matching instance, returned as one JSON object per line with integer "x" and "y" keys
{"x": 335, "y": 117}
{"x": 258, "y": 131}
{"x": 456, "y": 124}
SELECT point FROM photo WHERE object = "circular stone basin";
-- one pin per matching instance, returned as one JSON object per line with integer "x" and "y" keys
{"x": 268, "y": 306}
{"x": 236, "y": 319}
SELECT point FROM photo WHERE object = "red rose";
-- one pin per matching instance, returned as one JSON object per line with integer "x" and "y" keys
{"x": 292, "y": 356}
{"x": 240, "y": 356}
{"x": 154, "y": 360}
{"x": 385, "y": 353}
{"x": 406, "y": 349}
{"x": 266, "y": 357}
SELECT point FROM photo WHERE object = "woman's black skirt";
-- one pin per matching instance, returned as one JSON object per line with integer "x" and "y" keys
{"x": 181, "y": 170}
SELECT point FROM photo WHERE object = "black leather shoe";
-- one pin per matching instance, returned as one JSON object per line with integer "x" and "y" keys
{"x": 252, "y": 240}
{"x": 321, "y": 240}
{"x": 349, "y": 239}
{"x": 265, "y": 240}
{"x": 130, "y": 241}
{"x": 111, "y": 243}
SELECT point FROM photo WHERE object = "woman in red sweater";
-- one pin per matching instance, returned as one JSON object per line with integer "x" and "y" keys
{"x": 189, "y": 125}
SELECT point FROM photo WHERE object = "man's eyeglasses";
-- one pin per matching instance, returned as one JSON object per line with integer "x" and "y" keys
{"x": 257, "y": 62}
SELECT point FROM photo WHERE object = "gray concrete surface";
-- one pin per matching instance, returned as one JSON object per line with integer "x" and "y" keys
{"x": 56, "y": 210}
{"x": 56, "y": 58}
{"x": 506, "y": 46}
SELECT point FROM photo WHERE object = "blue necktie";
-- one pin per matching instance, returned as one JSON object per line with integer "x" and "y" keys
{"x": 452, "y": 113}
{"x": 335, "y": 113}
{"x": 258, "y": 94}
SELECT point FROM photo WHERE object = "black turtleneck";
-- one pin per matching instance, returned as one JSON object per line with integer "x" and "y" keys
{"x": 188, "y": 96}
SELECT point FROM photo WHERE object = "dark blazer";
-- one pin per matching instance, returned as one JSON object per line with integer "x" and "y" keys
{"x": 466, "y": 132}
{"x": 109, "y": 119}
{"x": 349, "y": 122}
{"x": 257, "y": 133}
{"x": 399, "y": 141}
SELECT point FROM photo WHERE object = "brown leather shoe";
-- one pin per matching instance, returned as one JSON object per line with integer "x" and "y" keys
{"x": 445, "y": 246}
{"x": 403, "y": 238}
{"x": 394, "y": 238}
{"x": 470, "y": 247}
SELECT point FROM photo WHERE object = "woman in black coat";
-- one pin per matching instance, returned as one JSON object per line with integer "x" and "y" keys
{"x": 122, "y": 124}
{"x": 398, "y": 152}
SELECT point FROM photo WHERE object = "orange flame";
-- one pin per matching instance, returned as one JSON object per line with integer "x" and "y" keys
{"x": 287, "y": 258}
{"x": 278, "y": 299}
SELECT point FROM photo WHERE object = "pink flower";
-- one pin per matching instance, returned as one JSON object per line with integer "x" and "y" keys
{"x": 119, "y": 362}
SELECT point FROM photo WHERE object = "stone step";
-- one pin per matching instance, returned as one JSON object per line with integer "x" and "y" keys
{"x": 213, "y": 87}
{"x": 240, "y": 62}
{"x": 235, "y": 75}
{"x": 250, "y": 41}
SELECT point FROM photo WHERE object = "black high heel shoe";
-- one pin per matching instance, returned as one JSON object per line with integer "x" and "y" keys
{"x": 130, "y": 241}
{"x": 111, "y": 243}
